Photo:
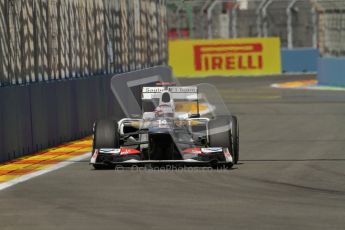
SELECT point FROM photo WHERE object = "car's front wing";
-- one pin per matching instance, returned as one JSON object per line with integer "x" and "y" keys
{"x": 199, "y": 157}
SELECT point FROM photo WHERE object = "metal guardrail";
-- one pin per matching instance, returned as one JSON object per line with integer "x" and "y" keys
{"x": 299, "y": 23}
{"x": 44, "y": 40}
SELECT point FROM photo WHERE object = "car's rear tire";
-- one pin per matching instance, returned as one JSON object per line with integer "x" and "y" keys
{"x": 106, "y": 135}
{"x": 220, "y": 132}
{"x": 235, "y": 138}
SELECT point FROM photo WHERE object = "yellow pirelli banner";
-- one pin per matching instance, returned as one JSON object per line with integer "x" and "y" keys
{"x": 225, "y": 57}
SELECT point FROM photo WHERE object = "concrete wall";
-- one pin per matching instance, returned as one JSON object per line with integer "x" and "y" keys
{"x": 331, "y": 71}
{"x": 300, "y": 60}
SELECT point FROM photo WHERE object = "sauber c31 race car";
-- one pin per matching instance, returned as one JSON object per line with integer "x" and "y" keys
{"x": 172, "y": 130}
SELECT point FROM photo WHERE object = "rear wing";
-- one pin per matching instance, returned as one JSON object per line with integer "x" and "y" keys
{"x": 189, "y": 93}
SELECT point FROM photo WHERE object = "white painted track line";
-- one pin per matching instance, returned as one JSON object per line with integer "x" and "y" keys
{"x": 29, "y": 176}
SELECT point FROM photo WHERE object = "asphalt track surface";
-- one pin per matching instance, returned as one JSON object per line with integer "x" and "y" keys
{"x": 291, "y": 175}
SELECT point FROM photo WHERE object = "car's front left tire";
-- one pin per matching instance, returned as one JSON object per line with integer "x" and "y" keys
{"x": 105, "y": 135}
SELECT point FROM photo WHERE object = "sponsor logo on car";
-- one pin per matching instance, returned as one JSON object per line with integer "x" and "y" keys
{"x": 192, "y": 150}
{"x": 94, "y": 157}
{"x": 211, "y": 150}
{"x": 127, "y": 151}
{"x": 228, "y": 157}
{"x": 110, "y": 151}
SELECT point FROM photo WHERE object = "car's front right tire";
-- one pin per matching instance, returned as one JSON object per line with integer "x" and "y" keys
{"x": 235, "y": 139}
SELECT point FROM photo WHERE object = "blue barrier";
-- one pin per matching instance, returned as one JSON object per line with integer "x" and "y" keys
{"x": 331, "y": 71}
{"x": 299, "y": 59}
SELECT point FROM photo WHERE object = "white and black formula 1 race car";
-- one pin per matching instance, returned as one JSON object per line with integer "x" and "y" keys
{"x": 176, "y": 128}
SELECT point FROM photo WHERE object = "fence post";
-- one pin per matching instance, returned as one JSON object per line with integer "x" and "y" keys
{"x": 234, "y": 21}
{"x": 314, "y": 16}
{"x": 289, "y": 23}
{"x": 189, "y": 9}
{"x": 259, "y": 17}
{"x": 264, "y": 14}
{"x": 202, "y": 21}
{"x": 209, "y": 18}
{"x": 177, "y": 13}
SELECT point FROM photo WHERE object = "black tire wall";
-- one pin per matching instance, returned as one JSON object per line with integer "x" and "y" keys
{"x": 41, "y": 115}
